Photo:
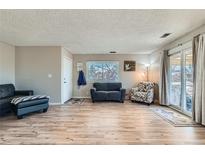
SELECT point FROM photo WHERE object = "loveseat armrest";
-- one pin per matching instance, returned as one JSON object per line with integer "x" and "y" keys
{"x": 123, "y": 91}
{"x": 92, "y": 93}
{"x": 24, "y": 92}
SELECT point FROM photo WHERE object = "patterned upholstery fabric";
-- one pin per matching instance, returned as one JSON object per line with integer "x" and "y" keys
{"x": 143, "y": 92}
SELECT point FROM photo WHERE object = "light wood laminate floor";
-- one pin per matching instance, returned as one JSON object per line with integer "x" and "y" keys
{"x": 98, "y": 123}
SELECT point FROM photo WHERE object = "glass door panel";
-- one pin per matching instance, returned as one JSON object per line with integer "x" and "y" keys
{"x": 175, "y": 80}
{"x": 188, "y": 77}
{"x": 181, "y": 81}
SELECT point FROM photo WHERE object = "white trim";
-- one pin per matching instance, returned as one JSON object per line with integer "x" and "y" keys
{"x": 55, "y": 103}
{"x": 80, "y": 97}
{"x": 180, "y": 48}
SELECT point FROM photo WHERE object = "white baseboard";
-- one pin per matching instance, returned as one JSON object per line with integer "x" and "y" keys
{"x": 55, "y": 103}
{"x": 81, "y": 97}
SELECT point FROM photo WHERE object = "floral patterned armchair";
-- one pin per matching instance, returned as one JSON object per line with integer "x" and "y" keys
{"x": 143, "y": 92}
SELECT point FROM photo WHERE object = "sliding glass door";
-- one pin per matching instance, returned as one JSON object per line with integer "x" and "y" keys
{"x": 181, "y": 81}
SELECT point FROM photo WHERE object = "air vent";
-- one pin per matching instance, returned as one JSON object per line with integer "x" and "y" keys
{"x": 113, "y": 52}
{"x": 165, "y": 35}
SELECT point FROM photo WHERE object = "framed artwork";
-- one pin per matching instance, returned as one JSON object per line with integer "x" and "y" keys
{"x": 129, "y": 65}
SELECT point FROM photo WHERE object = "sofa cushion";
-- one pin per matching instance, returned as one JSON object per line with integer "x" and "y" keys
{"x": 5, "y": 101}
{"x": 107, "y": 86}
{"x": 100, "y": 86}
{"x": 32, "y": 103}
{"x": 101, "y": 95}
{"x": 5, "y": 105}
{"x": 116, "y": 86}
{"x": 7, "y": 90}
{"x": 113, "y": 95}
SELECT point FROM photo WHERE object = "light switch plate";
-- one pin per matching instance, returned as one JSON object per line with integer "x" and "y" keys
{"x": 49, "y": 75}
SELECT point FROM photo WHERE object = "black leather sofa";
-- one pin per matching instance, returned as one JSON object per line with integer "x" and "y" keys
{"x": 7, "y": 93}
{"x": 108, "y": 92}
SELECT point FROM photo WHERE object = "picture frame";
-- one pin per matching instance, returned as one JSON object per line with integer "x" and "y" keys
{"x": 129, "y": 65}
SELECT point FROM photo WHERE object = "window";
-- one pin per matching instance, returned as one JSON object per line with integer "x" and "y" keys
{"x": 103, "y": 71}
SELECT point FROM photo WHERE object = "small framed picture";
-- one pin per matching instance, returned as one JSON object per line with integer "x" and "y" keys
{"x": 129, "y": 65}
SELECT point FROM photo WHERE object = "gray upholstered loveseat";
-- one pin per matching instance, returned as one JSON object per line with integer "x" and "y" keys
{"x": 107, "y": 92}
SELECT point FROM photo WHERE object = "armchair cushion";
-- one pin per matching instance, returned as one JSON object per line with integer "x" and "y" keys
{"x": 141, "y": 87}
{"x": 140, "y": 96}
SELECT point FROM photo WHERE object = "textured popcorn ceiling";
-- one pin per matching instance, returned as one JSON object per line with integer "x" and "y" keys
{"x": 97, "y": 31}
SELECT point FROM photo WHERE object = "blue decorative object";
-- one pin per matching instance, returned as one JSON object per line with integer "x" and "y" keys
{"x": 81, "y": 79}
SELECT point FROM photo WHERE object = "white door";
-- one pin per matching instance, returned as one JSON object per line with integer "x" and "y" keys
{"x": 67, "y": 79}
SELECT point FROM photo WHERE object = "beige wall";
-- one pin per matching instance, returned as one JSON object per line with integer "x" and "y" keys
{"x": 128, "y": 79}
{"x": 33, "y": 65}
{"x": 154, "y": 73}
{"x": 7, "y": 63}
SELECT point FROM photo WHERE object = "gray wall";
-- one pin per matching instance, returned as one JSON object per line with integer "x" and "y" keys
{"x": 33, "y": 64}
{"x": 7, "y": 63}
{"x": 128, "y": 79}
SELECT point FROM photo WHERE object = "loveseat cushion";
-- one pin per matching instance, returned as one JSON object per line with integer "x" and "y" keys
{"x": 107, "y": 86}
{"x": 101, "y": 95}
{"x": 113, "y": 95}
{"x": 100, "y": 86}
{"x": 116, "y": 86}
{"x": 7, "y": 90}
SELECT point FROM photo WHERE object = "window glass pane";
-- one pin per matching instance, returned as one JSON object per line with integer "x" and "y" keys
{"x": 188, "y": 82}
{"x": 175, "y": 79}
{"x": 103, "y": 71}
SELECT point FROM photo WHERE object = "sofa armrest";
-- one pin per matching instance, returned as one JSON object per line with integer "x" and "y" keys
{"x": 24, "y": 92}
{"x": 123, "y": 91}
{"x": 92, "y": 93}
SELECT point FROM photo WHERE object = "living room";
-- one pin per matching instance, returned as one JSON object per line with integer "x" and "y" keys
{"x": 88, "y": 77}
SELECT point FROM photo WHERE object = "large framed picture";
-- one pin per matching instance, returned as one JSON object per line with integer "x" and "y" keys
{"x": 129, "y": 65}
